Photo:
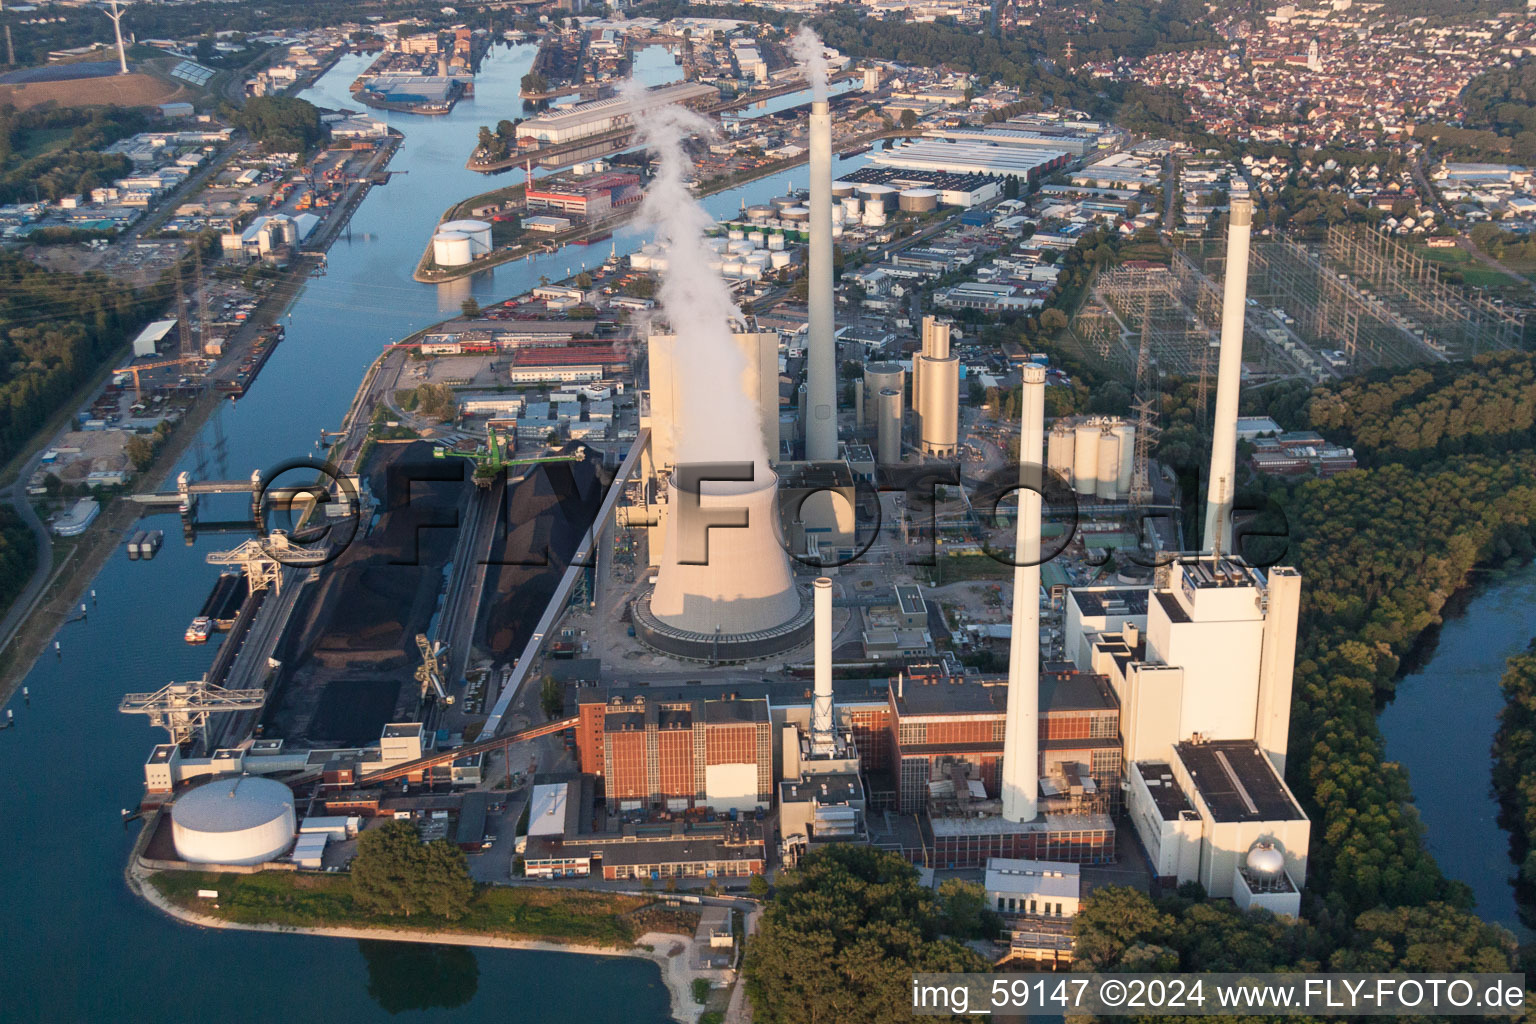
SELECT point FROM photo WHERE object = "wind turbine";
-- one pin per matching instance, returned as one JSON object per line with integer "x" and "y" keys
{"x": 117, "y": 28}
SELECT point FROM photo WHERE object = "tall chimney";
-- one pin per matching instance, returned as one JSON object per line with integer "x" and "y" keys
{"x": 1021, "y": 734}
{"x": 1234, "y": 304}
{"x": 822, "y": 739}
{"x": 821, "y": 362}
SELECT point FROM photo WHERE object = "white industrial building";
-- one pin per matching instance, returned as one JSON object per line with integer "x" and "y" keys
{"x": 1035, "y": 888}
{"x": 972, "y": 157}
{"x": 581, "y": 120}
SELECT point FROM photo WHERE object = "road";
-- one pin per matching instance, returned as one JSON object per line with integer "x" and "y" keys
{"x": 21, "y": 607}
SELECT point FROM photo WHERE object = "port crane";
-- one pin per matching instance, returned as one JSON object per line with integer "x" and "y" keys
{"x": 430, "y": 672}
{"x": 182, "y": 709}
{"x": 158, "y": 364}
{"x": 264, "y": 560}
{"x": 498, "y": 452}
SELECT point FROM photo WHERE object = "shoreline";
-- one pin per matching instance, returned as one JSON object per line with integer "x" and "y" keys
{"x": 666, "y": 950}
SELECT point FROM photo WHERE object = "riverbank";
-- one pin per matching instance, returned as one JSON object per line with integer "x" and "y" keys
{"x": 69, "y": 580}
{"x": 669, "y": 951}
{"x": 427, "y": 271}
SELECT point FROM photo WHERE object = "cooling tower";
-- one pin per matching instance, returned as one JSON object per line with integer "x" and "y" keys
{"x": 1234, "y": 299}
{"x": 888, "y": 428}
{"x": 1085, "y": 458}
{"x": 821, "y": 362}
{"x": 1058, "y": 449}
{"x": 1021, "y": 731}
{"x": 1109, "y": 463}
{"x": 725, "y": 592}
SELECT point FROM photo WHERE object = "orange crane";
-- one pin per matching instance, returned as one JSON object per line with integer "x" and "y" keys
{"x": 157, "y": 365}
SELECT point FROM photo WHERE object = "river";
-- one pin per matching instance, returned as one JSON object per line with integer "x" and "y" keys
{"x": 1440, "y": 726}
{"x": 80, "y": 946}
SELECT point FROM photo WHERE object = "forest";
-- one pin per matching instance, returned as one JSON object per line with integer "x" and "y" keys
{"x": 18, "y": 556}
{"x": 282, "y": 124}
{"x": 1514, "y": 773}
{"x": 48, "y": 152}
{"x": 1500, "y": 121}
{"x": 56, "y": 330}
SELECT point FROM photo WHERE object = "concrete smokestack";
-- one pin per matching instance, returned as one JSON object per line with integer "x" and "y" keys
{"x": 1021, "y": 735}
{"x": 1234, "y": 303}
{"x": 822, "y": 737}
{"x": 858, "y": 404}
{"x": 888, "y": 428}
{"x": 821, "y": 362}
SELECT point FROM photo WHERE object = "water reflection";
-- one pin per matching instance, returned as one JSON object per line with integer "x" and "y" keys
{"x": 411, "y": 976}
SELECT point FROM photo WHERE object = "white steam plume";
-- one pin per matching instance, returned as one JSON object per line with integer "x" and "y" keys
{"x": 718, "y": 419}
{"x": 812, "y": 55}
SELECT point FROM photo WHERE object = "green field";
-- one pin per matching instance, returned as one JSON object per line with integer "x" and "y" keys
{"x": 310, "y": 900}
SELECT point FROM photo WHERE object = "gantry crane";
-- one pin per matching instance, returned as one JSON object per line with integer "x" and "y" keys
{"x": 159, "y": 364}
{"x": 496, "y": 453}
{"x": 264, "y": 560}
{"x": 182, "y": 709}
{"x": 430, "y": 671}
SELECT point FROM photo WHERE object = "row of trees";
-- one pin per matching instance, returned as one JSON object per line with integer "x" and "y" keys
{"x": 18, "y": 555}
{"x": 1514, "y": 773}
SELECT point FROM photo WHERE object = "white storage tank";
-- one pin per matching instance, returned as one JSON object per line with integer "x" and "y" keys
{"x": 735, "y": 234}
{"x": 778, "y": 259}
{"x": 741, "y": 246}
{"x": 732, "y": 268}
{"x": 874, "y": 216}
{"x": 755, "y": 237}
{"x": 1126, "y": 432}
{"x": 451, "y": 249}
{"x": 1058, "y": 450}
{"x": 776, "y": 243}
{"x": 851, "y": 208}
{"x": 1085, "y": 458}
{"x": 883, "y": 195}
{"x": 1109, "y": 463}
{"x": 241, "y": 820}
{"x": 477, "y": 231}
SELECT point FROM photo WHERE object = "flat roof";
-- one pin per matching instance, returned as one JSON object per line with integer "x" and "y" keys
{"x": 547, "y": 809}
{"x": 1237, "y": 782}
{"x": 910, "y": 599}
{"x": 1114, "y": 600}
{"x": 397, "y": 730}
{"x": 617, "y": 106}
{"x": 1166, "y": 794}
{"x": 1034, "y": 877}
{"x": 832, "y": 788}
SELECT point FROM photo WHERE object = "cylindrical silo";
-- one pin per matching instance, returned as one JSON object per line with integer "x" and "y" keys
{"x": 1109, "y": 463}
{"x": 243, "y": 820}
{"x": 1126, "y": 432}
{"x": 874, "y": 216}
{"x": 938, "y": 405}
{"x": 477, "y": 231}
{"x": 888, "y": 432}
{"x": 451, "y": 249}
{"x": 1058, "y": 450}
{"x": 918, "y": 200}
{"x": 1085, "y": 458}
{"x": 858, "y": 405}
{"x": 851, "y": 208}
{"x": 878, "y": 377}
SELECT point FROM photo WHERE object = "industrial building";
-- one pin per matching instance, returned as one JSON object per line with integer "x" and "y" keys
{"x": 1026, "y": 163}
{"x": 240, "y": 821}
{"x": 954, "y": 189}
{"x": 589, "y": 198}
{"x": 581, "y": 120}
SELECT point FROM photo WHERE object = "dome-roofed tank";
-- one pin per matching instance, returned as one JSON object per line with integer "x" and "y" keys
{"x": 241, "y": 820}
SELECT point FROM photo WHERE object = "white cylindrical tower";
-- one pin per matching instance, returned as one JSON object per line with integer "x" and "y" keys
{"x": 1058, "y": 450}
{"x": 822, "y": 741}
{"x": 1126, "y": 432}
{"x": 1085, "y": 458}
{"x": 888, "y": 428}
{"x": 725, "y": 579}
{"x": 821, "y": 361}
{"x": 858, "y": 405}
{"x": 1234, "y": 302}
{"x": 1109, "y": 463}
{"x": 1021, "y": 732}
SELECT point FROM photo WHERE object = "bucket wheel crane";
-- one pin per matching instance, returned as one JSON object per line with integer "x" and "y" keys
{"x": 430, "y": 672}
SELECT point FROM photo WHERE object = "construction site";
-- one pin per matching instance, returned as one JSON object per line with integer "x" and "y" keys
{"x": 1357, "y": 301}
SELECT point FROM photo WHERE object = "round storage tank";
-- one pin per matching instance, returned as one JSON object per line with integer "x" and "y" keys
{"x": 851, "y": 207}
{"x": 755, "y": 237}
{"x": 1058, "y": 451}
{"x": 842, "y": 189}
{"x": 1085, "y": 458}
{"x": 242, "y": 820}
{"x": 918, "y": 200}
{"x": 881, "y": 194}
{"x": 782, "y": 203}
{"x": 874, "y": 216}
{"x": 732, "y": 268}
{"x": 761, "y": 212}
{"x": 478, "y": 232}
{"x": 451, "y": 249}
{"x": 796, "y": 214}
{"x": 778, "y": 259}
{"x": 735, "y": 234}
{"x": 741, "y": 245}
{"x": 1126, "y": 432}
{"x": 1109, "y": 464}
{"x": 775, "y": 243}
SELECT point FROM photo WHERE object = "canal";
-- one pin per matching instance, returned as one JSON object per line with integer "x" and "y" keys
{"x": 1440, "y": 727}
{"x": 79, "y": 945}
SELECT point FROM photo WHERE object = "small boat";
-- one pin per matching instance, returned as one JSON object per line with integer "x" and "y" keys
{"x": 197, "y": 632}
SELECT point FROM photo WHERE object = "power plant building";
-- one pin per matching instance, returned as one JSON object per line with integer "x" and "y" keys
{"x": 582, "y": 120}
